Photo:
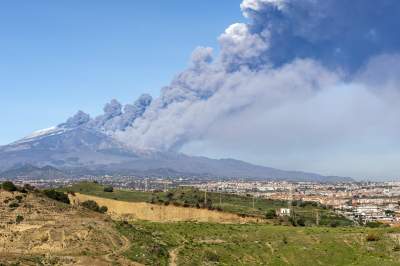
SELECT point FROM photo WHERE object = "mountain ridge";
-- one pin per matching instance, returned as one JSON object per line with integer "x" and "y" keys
{"x": 81, "y": 150}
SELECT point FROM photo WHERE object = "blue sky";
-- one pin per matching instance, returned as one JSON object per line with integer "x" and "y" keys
{"x": 61, "y": 56}
{"x": 284, "y": 87}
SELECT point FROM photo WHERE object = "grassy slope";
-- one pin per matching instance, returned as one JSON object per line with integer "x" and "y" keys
{"x": 254, "y": 244}
{"x": 249, "y": 244}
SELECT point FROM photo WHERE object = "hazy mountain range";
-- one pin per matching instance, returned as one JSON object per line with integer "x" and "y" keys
{"x": 77, "y": 149}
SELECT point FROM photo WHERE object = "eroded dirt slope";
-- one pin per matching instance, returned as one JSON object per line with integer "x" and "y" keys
{"x": 35, "y": 230}
{"x": 161, "y": 213}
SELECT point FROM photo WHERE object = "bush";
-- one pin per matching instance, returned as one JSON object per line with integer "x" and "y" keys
{"x": 28, "y": 187}
{"x": 334, "y": 223}
{"x": 372, "y": 237}
{"x": 56, "y": 195}
{"x": 301, "y": 222}
{"x": 18, "y": 198}
{"x": 211, "y": 256}
{"x": 109, "y": 189}
{"x": 103, "y": 209}
{"x": 19, "y": 219}
{"x": 375, "y": 224}
{"x": 9, "y": 186}
{"x": 13, "y": 205}
{"x": 271, "y": 214}
{"x": 92, "y": 205}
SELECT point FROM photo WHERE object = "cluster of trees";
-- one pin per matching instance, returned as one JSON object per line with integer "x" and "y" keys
{"x": 56, "y": 195}
{"x": 11, "y": 187}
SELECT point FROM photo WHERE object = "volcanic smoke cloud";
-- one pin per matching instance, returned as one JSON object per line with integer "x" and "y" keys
{"x": 311, "y": 81}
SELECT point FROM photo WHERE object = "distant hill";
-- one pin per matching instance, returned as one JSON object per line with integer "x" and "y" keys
{"x": 33, "y": 171}
{"x": 81, "y": 150}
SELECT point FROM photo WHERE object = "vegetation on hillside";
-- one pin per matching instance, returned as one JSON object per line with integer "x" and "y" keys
{"x": 305, "y": 213}
{"x": 259, "y": 244}
{"x": 56, "y": 195}
{"x": 8, "y": 186}
{"x": 92, "y": 205}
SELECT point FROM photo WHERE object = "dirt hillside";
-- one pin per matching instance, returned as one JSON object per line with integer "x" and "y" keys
{"x": 35, "y": 230}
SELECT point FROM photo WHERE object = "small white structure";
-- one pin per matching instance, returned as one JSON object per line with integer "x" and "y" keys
{"x": 284, "y": 212}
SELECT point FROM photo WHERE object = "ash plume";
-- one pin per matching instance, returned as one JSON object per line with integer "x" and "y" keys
{"x": 301, "y": 79}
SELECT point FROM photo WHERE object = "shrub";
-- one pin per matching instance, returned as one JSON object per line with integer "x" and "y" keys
{"x": 19, "y": 219}
{"x": 301, "y": 222}
{"x": 271, "y": 214}
{"x": 170, "y": 196}
{"x": 109, "y": 189}
{"x": 103, "y": 209}
{"x": 374, "y": 224}
{"x": 372, "y": 237}
{"x": 56, "y": 195}
{"x": 9, "y": 186}
{"x": 211, "y": 256}
{"x": 334, "y": 223}
{"x": 13, "y": 205}
{"x": 28, "y": 187}
{"x": 18, "y": 198}
{"x": 92, "y": 205}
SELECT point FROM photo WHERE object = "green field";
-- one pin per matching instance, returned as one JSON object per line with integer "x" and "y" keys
{"x": 188, "y": 197}
{"x": 273, "y": 243}
{"x": 260, "y": 244}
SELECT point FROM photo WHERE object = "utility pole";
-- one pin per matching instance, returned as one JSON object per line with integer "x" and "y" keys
{"x": 205, "y": 197}
{"x": 253, "y": 200}
{"x": 220, "y": 199}
{"x": 317, "y": 218}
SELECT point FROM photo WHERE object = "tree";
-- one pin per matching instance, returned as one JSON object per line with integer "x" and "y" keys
{"x": 108, "y": 189}
{"x": 9, "y": 186}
